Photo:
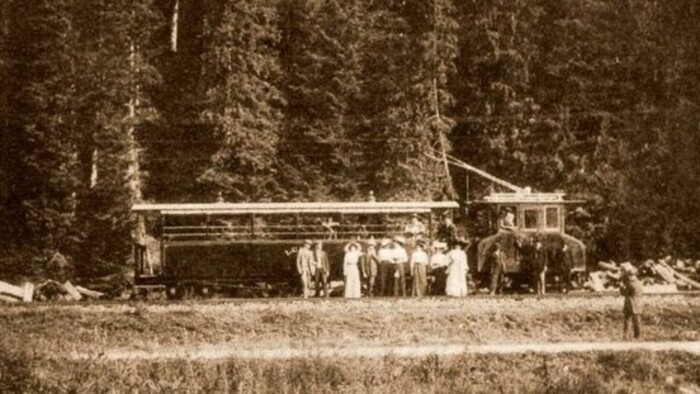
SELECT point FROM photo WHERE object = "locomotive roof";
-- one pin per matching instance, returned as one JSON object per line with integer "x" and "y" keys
{"x": 296, "y": 207}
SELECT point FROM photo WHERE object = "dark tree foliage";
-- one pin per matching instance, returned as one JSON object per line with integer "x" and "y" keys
{"x": 103, "y": 103}
{"x": 39, "y": 145}
{"x": 409, "y": 56}
{"x": 110, "y": 105}
{"x": 320, "y": 60}
{"x": 243, "y": 100}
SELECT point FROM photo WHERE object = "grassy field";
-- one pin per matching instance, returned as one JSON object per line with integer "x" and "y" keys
{"x": 38, "y": 341}
{"x": 637, "y": 372}
{"x": 56, "y": 330}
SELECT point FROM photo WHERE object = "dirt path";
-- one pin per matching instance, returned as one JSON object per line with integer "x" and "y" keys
{"x": 225, "y": 351}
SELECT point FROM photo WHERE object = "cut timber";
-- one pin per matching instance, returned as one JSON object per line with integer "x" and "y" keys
{"x": 608, "y": 266}
{"x": 28, "y": 292}
{"x": 8, "y": 298}
{"x": 595, "y": 282}
{"x": 665, "y": 272}
{"x": 24, "y": 293}
{"x": 72, "y": 291}
{"x": 682, "y": 278}
{"x": 89, "y": 293}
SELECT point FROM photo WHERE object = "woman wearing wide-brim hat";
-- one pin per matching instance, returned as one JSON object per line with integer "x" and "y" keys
{"x": 457, "y": 269}
{"x": 351, "y": 271}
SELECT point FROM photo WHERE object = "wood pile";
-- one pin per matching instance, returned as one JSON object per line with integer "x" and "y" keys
{"x": 49, "y": 290}
{"x": 658, "y": 276}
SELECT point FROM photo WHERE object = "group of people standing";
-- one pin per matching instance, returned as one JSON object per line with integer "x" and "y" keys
{"x": 383, "y": 268}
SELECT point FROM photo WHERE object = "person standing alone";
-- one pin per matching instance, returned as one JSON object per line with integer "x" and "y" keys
{"x": 632, "y": 290}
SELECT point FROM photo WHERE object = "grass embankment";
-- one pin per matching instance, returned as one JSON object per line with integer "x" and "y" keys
{"x": 58, "y": 330}
{"x": 639, "y": 372}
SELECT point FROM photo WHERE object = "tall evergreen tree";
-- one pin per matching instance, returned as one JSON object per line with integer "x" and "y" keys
{"x": 320, "y": 59}
{"x": 40, "y": 141}
{"x": 244, "y": 101}
{"x": 111, "y": 105}
{"x": 409, "y": 62}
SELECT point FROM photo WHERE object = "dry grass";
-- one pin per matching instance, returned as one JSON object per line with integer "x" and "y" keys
{"x": 60, "y": 329}
{"x": 565, "y": 373}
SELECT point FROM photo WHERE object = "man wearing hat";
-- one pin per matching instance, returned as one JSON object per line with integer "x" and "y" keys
{"x": 305, "y": 266}
{"x": 631, "y": 289}
{"x": 400, "y": 258}
{"x": 370, "y": 264}
{"x": 322, "y": 268}
{"x": 386, "y": 266}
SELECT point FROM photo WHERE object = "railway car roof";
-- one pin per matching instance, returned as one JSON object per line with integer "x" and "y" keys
{"x": 296, "y": 207}
{"x": 527, "y": 198}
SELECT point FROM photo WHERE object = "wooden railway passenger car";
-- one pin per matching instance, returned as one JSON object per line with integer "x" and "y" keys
{"x": 250, "y": 248}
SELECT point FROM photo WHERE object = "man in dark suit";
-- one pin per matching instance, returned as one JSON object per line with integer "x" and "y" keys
{"x": 564, "y": 262}
{"x": 370, "y": 264}
{"x": 632, "y": 290}
{"x": 497, "y": 268}
{"x": 539, "y": 266}
{"x": 322, "y": 269}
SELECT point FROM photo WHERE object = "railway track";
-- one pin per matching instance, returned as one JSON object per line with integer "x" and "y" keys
{"x": 339, "y": 300}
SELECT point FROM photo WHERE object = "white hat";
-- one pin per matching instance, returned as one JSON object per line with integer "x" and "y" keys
{"x": 439, "y": 245}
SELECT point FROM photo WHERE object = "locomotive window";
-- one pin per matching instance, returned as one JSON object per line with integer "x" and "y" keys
{"x": 530, "y": 217}
{"x": 552, "y": 217}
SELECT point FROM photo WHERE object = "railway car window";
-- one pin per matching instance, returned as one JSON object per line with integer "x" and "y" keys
{"x": 552, "y": 217}
{"x": 531, "y": 217}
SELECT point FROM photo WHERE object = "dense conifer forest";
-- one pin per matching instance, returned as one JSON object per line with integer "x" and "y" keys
{"x": 107, "y": 102}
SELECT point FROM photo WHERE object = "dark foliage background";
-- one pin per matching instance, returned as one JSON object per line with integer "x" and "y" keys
{"x": 104, "y": 103}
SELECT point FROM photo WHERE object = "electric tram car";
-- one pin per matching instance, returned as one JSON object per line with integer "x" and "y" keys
{"x": 249, "y": 248}
{"x": 535, "y": 217}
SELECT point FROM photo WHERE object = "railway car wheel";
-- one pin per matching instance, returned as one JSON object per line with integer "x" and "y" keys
{"x": 174, "y": 292}
{"x": 206, "y": 292}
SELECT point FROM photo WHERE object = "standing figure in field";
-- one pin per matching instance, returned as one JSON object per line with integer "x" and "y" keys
{"x": 322, "y": 269}
{"x": 632, "y": 290}
{"x": 370, "y": 265}
{"x": 497, "y": 268}
{"x": 438, "y": 268}
{"x": 400, "y": 258}
{"x": 457, "y": 270}
{"x": 418, "y": 266}
{"x": 564, "y": 262}
{"x": 386, "y": 266}
{"x": 447, "y": 232}
{"x": 539, "y": 266}
{"x": 351, "y": 270}
{"x": 305, "y": 264}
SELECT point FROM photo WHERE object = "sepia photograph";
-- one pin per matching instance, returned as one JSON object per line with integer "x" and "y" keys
{"x": 350, "y": 196}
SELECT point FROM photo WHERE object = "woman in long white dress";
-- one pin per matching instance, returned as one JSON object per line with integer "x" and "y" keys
{"x": 457, "y": 271}
{"x": 351, "y": 270}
